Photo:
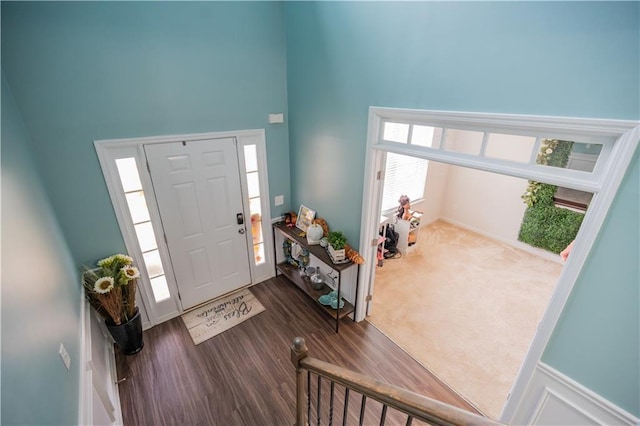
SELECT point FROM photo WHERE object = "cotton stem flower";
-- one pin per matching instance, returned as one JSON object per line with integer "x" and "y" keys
{"x": 131, "y": 272}
{"x": 103, "y": 285}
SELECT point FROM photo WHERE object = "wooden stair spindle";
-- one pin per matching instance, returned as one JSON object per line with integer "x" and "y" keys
{"x": 346, "y": 407}
{"x": 402, "y": 401}
{"x": 298, "y": 352}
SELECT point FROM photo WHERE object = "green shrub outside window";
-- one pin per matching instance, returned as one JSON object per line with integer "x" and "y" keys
{"x": 544, "y": 225}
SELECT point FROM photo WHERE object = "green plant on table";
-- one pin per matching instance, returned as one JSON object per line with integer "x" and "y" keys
{"x": 337, "y": 240}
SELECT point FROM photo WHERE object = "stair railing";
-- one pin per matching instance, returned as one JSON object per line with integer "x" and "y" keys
{"x": 413, "y": 405}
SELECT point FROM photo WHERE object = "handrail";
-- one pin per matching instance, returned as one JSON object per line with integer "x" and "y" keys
{"x": 415, "y": 405}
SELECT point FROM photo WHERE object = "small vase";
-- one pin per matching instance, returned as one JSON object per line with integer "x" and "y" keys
{"x": 128, "y": 335}
{"x": 314, "y": 234}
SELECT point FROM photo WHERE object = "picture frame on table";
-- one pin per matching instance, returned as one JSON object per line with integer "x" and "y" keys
{"x": 305, "y": 217}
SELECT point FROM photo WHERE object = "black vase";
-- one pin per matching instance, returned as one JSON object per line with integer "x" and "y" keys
{"x": 128, "y": 335}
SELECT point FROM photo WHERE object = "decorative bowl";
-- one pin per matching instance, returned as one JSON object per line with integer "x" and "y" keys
{"x": 317, "y": 282}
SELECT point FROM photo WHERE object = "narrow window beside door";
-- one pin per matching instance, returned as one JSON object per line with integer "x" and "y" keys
{"x": 139, "y": 213}
{"x": 253, "y": 184}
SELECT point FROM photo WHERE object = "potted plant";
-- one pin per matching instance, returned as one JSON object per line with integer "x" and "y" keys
{"x": 111, "y": 291}
{"x": 337, "y": 240}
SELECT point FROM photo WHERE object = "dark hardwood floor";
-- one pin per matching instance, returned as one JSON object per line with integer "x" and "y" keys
{"x": 244, "y": 376}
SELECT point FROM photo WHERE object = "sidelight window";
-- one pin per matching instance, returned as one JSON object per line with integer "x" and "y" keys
{"x": 253, "y": 188}
{"x": 139, "y": 213}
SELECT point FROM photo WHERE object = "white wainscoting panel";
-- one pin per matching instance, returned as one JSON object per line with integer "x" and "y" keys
{"x": 551, "y": 398}
{"x": 100, "y": 401}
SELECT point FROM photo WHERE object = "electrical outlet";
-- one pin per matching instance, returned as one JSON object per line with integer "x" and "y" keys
{"x": 278, "y": 200}
{"x": 66, "y": 358}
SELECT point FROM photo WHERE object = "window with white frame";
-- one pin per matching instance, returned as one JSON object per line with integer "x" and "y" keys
{"x": 403, "y": 176}
{"x": 255, "y": 209}
{"x": 132, "y": 187}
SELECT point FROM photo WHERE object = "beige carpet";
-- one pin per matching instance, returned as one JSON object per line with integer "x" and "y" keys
{"x": 221, "y": 314}
{"x": 466, "y": 307}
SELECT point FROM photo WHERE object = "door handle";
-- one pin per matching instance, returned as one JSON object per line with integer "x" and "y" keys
{"x": 241, "y": 231}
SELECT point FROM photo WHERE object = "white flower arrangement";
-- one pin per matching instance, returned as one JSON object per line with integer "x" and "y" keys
{"x": 111, "y": 288}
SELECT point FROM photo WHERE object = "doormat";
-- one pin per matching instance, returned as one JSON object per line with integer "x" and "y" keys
{"x": 215, "y": 317}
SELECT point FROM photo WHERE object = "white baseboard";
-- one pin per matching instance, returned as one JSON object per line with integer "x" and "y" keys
{"x": 513, "y": 243}
{"x": 99, "y": 397}
{"x": 551, "y": 398}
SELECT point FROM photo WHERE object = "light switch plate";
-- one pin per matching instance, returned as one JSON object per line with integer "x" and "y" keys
{"x": 276, "y": 118}
{"x": 278, "y": 200}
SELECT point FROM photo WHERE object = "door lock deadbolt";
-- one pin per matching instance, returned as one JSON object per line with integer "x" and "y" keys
{"x": 240, "y": 218}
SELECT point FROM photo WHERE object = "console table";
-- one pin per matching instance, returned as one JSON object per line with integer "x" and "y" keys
{"x": 345, "y": 275}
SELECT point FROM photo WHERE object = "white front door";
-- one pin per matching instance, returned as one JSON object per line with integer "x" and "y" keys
{"x": 197, "y": 188}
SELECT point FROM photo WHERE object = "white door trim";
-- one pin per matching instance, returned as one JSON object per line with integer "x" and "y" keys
{"x": 110, "y": 149}
{"x": 619, "y": 139}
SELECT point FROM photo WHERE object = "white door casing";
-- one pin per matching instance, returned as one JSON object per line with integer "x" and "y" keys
{"x": 197, "y": 188}
{"x": 619, "y": 139}
{"x": 109, "y": 150}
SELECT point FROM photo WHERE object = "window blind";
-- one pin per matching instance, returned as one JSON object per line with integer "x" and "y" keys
{"x": 403, "y": 176}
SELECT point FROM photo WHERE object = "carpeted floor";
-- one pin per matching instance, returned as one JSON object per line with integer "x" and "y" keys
{"x": 466, "y": 307}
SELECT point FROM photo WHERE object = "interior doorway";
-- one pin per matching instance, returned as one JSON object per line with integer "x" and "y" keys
{"x": 402, "y": 132}
{"x": 466, "y": 297}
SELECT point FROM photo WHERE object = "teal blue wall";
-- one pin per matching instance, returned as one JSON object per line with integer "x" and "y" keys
{"x": 562, "y": 59}
{"x": 83, "y": 71}
{"x": 40, "y": 291}
{"x": 597, "y": 340}
{"x": 87, "y": 71}
{"x": 547, "y": 58}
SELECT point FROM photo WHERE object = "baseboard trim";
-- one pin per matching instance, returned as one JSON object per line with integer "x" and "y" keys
{"x": 515, "y": 244}
{"x": 552, "y": 397}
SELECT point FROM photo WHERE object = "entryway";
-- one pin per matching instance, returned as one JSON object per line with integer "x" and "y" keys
{"x": 194, "y": 214}
{"x": 466, "y": 297}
